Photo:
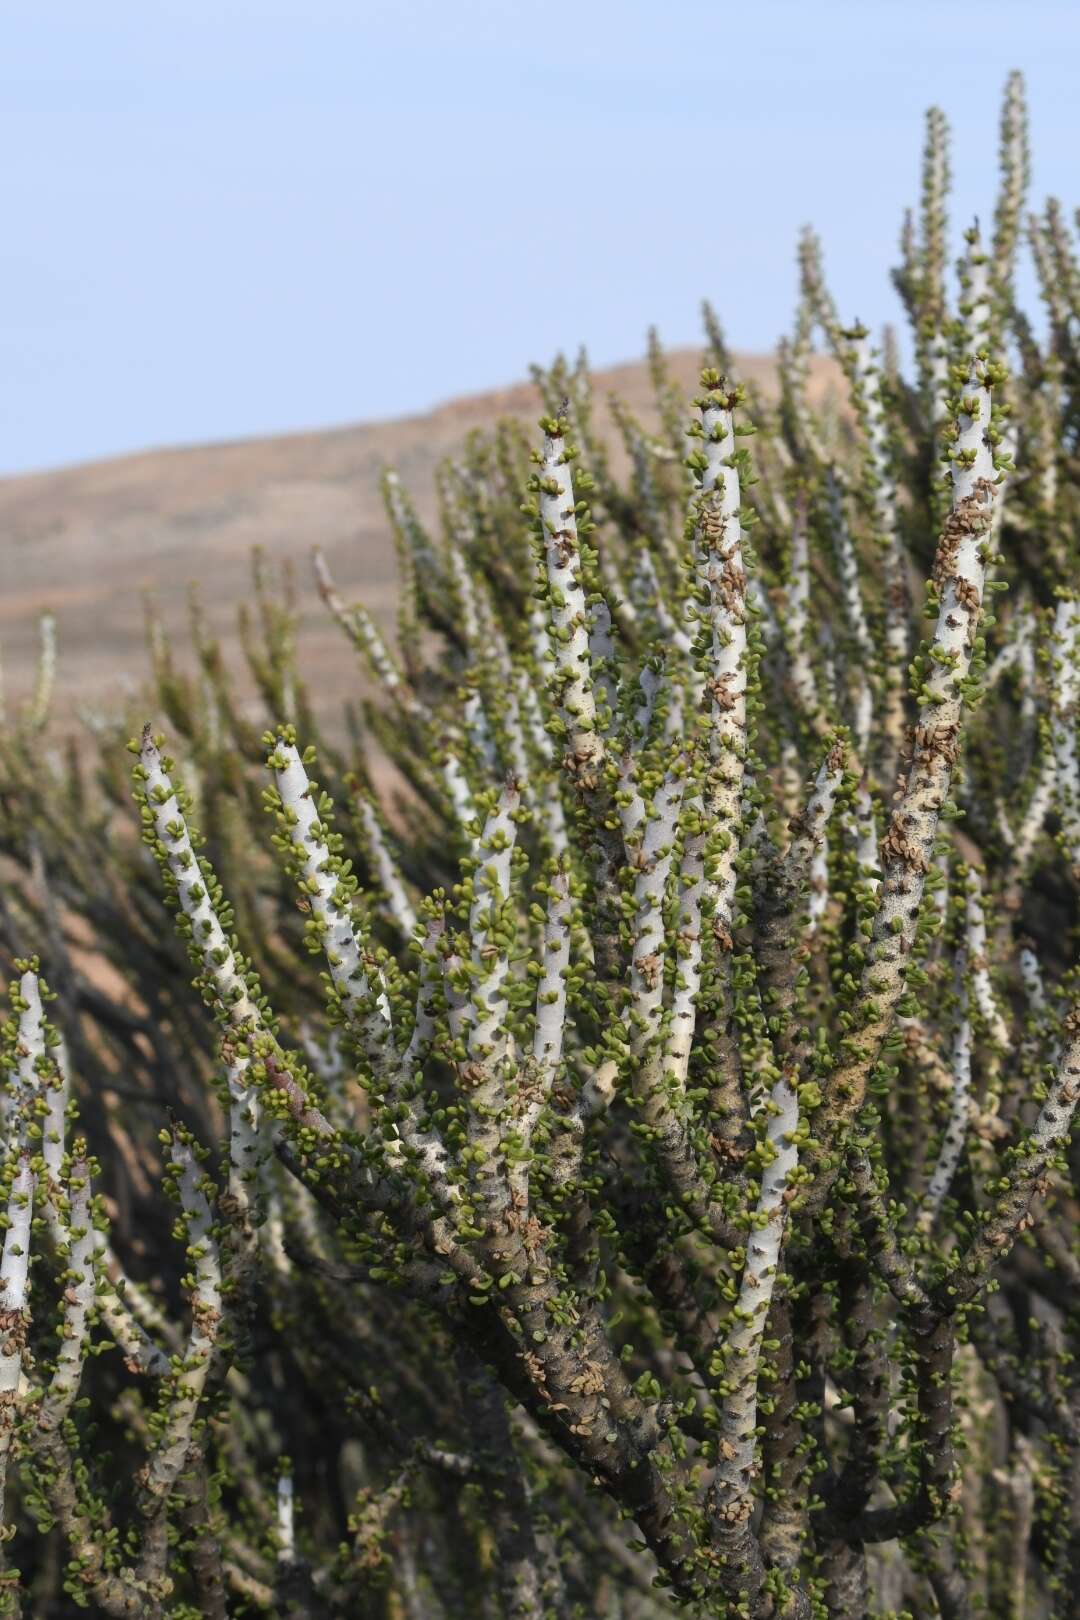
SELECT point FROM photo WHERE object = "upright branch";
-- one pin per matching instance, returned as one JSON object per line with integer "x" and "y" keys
{"x": 945, "y": 690}
{"x": 553, "y": 486}
{"x": 1064, "y": 714}
{"x": 14, "y": 1305}
{"x": 659, "y": 1197}
{"x": 1012, "y": 197}
{"x": 725, "y": 656}
{"x": 327, "y": 882}
{"x": 736, "y": 1362}
{"x": 184, "y": 1393}
{"x": 930, "y": 327}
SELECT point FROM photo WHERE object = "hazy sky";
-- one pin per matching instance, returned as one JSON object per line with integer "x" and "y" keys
{"x": 253, "y": 215}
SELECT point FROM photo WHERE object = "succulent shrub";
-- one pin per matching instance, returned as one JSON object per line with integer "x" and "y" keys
{"x": 624, "y": 1165}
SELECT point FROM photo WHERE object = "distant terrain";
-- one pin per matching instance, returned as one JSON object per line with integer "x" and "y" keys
{"x": 88, "y": 541}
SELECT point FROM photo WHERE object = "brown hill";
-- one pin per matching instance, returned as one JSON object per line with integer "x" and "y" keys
{"x": 88, "y": 541}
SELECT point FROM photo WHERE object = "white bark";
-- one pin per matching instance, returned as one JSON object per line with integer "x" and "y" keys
{"x": 649, "y": 830}
{"x": 387, "y": 871}
{"x": 487, "y": 1021}
{"x": 741, "y": 1351}
{"x": 362, "y": 632}
{"x": 952, "y": 1147}
{"x": 569, "y": 615}
{"x": 1064, "y": 718}
{"x": 78, "y": 1301}
{"x": 908, "y": 847}
{"x": 165, "y": 817}
{"x": 551, "y": 985}
{"x": 797, "y": 624}
{"x": 721, "y": 575}
{"x": 322, "y": 880}
{"x": 14, "y": 1312}
{"x": 286, "y": 1525}
{"x": 874, "y": 421}
{"x": 189, "y": 1381}
{"x": 978, "y": 958}
{"x": 688, "y": 945}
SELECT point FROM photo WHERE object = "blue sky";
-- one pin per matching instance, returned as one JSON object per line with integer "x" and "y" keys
{"x": 254, "y": 215}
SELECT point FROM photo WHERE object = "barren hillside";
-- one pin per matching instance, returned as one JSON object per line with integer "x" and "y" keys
{"x": 88, "y": 541}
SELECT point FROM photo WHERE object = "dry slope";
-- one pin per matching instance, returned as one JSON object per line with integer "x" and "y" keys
{"x": 88, "y": 541}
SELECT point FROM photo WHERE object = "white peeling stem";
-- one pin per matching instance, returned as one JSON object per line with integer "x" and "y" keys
{"x": 456, "y": 552}
{"x": 603, "y": 661}
{"x": 546, "y": 797}
{"x": 361, "y": 631}
{"x": 192, "y": 890}
{"x": 423, "y": 560}
{"x": 798, "y": 615}
{"x": 486, "y": 1015}
{"x": 651, "y": 603}
{"x": 364, "y": 1005}
{"x": 429, "y": 978}
{"x": 548, "y": 800}
{"x": 810, "y": 828}
{"x": 568, "y": 608}
{"x": 1021, "y": 841}
{"x": 286, "y": 1521}
{"x": 907, "y": 849}
{"x": 864, "y": 826}
{"x": 54, "y": 1125}
{"x": 815, "y": 290}
{"x": 479, "y": 733}
{"x": 14, "y": 1311}
{"x": 1027, "y": 1165}
{"x": 721, "y": 574}
{"x": 650, "y": 846}
{"x": 1024, "y": 641}
{"x": 387, "y": 870}
{"x": 502, "y": 675}
{"x": 803, "y": 868}
{"x": 487, "y": 1024}
{"x": 861, "y": 689}
{"x": 550, "y": 812}
{"x": 688, "y": 948}
{"x": 165, "y": 817}
{"x": 353, "y": 974}
{"x": 43, "y": 1068}
{"x": 550, "y": 1026}
{"x": 931, "y": 340}
{"x": 982, "y": 985}
{"x": 818, "y": 901}
{"x": 975, "y": 307}
{"x": 1031, "y": 977}
{"x": 847, "y": 566}
{"x": 1008, "y": 215}
{"x": 875, "y": 424}
{"x": 456, "y": 783}
{"x": 78, "y": 1300}
{"x": 650, "y": 685}
{"x": 1064, "y": 718}
{"x": 38, "y": 711}
{"x": 641, "y": 455}
{"x": 247, "y": 1140}
{"x": 182, "y": 1403}
{"x": 36, "y": 1075}
{"x": 952, "y": 1146}
{"x": 731, "y": 1493}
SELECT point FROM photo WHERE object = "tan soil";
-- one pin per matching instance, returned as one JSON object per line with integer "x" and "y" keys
{"x": 88, "y": 541}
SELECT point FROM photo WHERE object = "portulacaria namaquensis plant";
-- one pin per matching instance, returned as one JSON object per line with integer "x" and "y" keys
{"x": 624, "y": 1165}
